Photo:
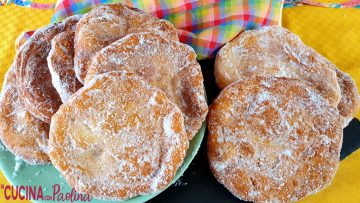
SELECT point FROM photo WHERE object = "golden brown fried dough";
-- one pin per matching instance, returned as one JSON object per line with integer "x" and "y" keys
{"x": 61, "y": 64}
{"x": 33, "y": 76}
{"x": 350, "y": 99}
{"x": 274, "y": 51}
{"x": 24, "y": 135}
{"x": 166, "y": 64}
{"x": 273, "y": 139}
{"x": 105, "y": 24}
{"x": 118, "y": 137}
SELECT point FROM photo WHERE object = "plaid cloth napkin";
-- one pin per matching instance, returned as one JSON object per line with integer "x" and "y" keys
{"x": 203, "y": 24}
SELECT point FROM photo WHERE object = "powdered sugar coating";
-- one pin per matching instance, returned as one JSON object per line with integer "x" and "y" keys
{"x": 24, "y": 135}
{"x": 350, "y": 100}
{"x": 105, "y": 24}
{"x": 118, "y": 137}
{"x": 33, "y": 75}
{"x": 273, "y": 51}
{"x": 273, "y": 139}
{"x": 166, "y": 64}
{"x": 61, "y": 64}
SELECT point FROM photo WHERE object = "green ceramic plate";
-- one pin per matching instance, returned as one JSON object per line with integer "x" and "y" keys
{"x": 19, "y": 173}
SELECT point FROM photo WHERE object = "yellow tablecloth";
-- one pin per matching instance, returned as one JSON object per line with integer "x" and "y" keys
{"x": 333, "y": 32}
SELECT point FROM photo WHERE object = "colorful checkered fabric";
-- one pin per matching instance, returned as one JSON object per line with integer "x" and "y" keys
{"x": 203, "y": 24}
